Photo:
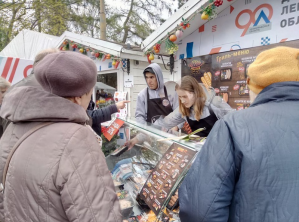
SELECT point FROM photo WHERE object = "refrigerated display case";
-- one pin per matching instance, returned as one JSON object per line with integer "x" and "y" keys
{"x": 147, "y": 176}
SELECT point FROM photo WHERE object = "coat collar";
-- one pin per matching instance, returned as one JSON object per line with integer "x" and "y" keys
{"x": 278, "y": 92}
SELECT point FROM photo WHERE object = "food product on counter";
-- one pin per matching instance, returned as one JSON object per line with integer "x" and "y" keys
{"x": 122, "y": 194}
{"x": 124, "y": 204}
{"x": 119, "y": 151}
{"x": 133, "y": 219}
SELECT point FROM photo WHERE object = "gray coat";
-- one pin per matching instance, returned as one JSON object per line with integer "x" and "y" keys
{"x": 248, "y": 170}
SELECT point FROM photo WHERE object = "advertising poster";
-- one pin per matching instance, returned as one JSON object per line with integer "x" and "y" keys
{"x": 228, "y": 72}
{"x": 163, "y": 177}
{"x": 245, "y": 24}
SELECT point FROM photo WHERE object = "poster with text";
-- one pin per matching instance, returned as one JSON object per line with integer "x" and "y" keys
{"x": 163, "y": 177}
{"x": 228, "y": 72}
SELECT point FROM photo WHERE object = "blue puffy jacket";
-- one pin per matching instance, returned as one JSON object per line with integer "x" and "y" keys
{"x": 248, "y": 170}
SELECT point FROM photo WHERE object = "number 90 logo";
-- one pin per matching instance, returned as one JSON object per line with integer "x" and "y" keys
{"x": 252, "y": 15}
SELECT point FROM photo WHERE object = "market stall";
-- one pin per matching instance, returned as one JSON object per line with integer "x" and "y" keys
{"x": 216, "y": 41}
{"x": 119, "y": 65}
{"x": 147, "y": 176}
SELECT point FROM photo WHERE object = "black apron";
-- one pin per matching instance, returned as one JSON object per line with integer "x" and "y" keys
{"x": 157, "y": 107}
{"x": 207, "y": 123}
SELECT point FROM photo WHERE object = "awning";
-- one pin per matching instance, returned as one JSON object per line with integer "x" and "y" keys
{"x": 190, "y": 9}
{"x": 100, "y": 85}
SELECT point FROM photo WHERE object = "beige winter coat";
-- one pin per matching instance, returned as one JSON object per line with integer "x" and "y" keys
{"x": 59, "y": 173}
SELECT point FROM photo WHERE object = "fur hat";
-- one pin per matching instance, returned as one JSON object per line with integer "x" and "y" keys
{"x": 66, "y": 74}
{"x": 280, "y": 64}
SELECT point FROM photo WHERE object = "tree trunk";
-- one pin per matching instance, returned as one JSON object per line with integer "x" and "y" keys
{"x": 11, "y": 23}
{"x": 126, "y": 28}
{"x": 103, "y": 23}
{"x": 38, "y": 15}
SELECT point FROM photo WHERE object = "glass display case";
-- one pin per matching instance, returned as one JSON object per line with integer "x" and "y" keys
{"x": 148, "y": 175}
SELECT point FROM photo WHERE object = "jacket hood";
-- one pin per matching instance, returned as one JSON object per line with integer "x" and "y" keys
{"x": 158, "y": 73}
{"x": 278, "y": 92}
{"x": 26, "y": 103}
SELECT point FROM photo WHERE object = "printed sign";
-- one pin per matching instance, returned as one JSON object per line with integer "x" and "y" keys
{"x": 113, "y": 129}
{"x": 163, "y": 177}
{"x": 229, "y": 72}
{"x": 245, "y": 24}
{"x": 15, "y": 69}
{"x": 128, "y": 81}
{"x": 121, "y": 96}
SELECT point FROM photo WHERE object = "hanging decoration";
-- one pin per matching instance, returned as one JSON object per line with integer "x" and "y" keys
{"x": 179, "y": 33}
{"x": 184, "y": 24}
{"x": 157, "y": 48}
{"x": 117, "y": 63}
{"x": 149, "y": 61}
{"x": 207, "y": 13}
{"x": 105, "y": 57}
{"x": 171, "y": 47}
{"x": 173, "y": 38}
{"x": 86, "y": 50}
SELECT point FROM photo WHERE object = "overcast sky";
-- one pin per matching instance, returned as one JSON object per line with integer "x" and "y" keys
{"x": 119, "y": 3}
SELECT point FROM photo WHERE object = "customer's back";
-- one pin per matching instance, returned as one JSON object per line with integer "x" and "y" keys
{"x": 59, "y": 172}
{"x": 248, "y": 169}
{"x": 266, "y": 151}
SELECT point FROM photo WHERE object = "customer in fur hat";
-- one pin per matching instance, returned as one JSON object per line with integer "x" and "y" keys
{"x": 58, "y": 173}
{"x": 248, "y": 168}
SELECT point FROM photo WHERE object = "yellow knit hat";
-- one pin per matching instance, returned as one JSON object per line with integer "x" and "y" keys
{"x": 280, "y": 64}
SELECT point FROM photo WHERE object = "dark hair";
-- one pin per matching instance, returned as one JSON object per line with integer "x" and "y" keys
{"x": 149, "y": 69}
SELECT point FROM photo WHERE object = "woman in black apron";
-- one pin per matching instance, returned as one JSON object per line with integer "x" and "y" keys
{"x": 192, "y": 108}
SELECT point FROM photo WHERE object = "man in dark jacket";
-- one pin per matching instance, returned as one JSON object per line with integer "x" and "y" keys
{"x": 248, "y": 169}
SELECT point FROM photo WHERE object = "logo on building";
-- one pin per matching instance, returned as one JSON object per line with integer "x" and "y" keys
{"x": 256, "y": 22}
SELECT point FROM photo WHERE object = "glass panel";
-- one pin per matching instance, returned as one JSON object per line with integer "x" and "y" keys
{"x": 158, "y": 133}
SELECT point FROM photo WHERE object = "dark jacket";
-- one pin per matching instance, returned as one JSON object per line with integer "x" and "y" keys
{"x": 248, "y": 170}
{"x": 99, "y": 116}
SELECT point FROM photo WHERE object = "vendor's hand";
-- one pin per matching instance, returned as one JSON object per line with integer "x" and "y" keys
{"x": 173, "y": 199}
{"x": 175, "y": 129}
{"x": 131, "y": 143}
{"x": 121, "y": 104}
{"x": 187, "y": 128}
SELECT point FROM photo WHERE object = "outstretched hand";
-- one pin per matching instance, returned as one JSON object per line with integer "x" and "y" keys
{"x": 122, "y": 104}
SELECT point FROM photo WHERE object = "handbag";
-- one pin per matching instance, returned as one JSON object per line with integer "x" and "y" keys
{"x": 15, "y": 147}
